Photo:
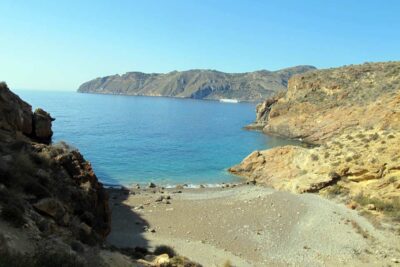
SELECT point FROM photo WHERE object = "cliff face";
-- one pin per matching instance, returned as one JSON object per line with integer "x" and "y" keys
{"x": 198, "y": 84}
{"x": 48, "y": 190}
{"x": 353, "y": 113}
{"x": 320, "y": 104}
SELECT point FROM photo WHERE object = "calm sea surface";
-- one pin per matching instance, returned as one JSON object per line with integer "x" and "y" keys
{"x": 131, "y": 139}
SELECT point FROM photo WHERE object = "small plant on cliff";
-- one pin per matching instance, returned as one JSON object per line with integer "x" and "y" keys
{"x": 14, "y": 214}
{"x": 12, "y": 259}
{"x": 314, "y": 157}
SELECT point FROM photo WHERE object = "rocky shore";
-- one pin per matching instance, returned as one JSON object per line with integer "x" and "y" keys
{"x": 352, "y": 114}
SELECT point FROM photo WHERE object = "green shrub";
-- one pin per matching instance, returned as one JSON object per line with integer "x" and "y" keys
{"x": 13, "y": 214}
{"x": 8, "y": 259}
{"x": 12, "y": 208}
{"x": 36, "y": 189}
{"x": 337, "y": 190}
{"x": 165, "y": 250}
{"x": 23, "y": 164}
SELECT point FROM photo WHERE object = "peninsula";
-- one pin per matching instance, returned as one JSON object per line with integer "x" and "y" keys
{"x": 196, "y": 84}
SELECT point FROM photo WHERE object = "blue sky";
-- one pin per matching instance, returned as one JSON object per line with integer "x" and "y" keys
{"x": 58, "y": 45}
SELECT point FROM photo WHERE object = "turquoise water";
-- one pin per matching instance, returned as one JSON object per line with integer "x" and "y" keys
{"x": 133, "y": 139}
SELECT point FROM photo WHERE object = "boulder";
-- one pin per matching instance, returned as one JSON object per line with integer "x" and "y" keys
{"x": 161, "y": 260}
{"x": 51, "y": 207}
{"x": 42, "y": 125}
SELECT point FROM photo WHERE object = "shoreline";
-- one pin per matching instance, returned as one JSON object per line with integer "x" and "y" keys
{"x": 248, "y": 225}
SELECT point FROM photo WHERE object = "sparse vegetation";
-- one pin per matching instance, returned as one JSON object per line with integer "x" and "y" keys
{"x": 389, "y": 208}
{"x": 359, "y": 229}
{"x": 337, "y": 190}
{"x": 12, "y": 209}
{"x": 164, "y": 250}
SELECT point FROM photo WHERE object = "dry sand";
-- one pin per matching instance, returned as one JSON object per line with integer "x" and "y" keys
{"x": 250, "y": 226}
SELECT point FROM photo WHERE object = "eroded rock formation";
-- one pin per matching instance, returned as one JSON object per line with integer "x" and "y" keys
{"x": 48, "y": 189}
{"x": 353, "y": 114}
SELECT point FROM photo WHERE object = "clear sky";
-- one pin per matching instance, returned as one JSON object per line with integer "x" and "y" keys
{"x": 61, "y": 44}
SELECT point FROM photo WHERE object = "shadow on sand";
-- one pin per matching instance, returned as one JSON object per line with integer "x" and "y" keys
{"x": 127, "y": 226}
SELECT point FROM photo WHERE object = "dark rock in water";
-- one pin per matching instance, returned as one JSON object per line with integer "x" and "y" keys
{"x": 152, "y": 185}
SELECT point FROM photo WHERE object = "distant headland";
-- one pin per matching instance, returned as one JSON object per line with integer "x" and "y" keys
{"x": 197, "y": 84}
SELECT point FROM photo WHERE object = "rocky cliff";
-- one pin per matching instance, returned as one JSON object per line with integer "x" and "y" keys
{"x": 353, "y": 115}
{"x": 322, "y": 103}
{"x": 198, "y": 84}
{"x": 53, "y": 209}
{"x": 48, "y": 191}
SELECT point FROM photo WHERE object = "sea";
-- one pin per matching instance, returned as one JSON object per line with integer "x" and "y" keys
{"x": 168, "y": 141}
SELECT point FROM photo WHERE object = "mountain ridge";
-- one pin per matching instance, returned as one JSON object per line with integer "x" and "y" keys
{"x": 196, "y": 83}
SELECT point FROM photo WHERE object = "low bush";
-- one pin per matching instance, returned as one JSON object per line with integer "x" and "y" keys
{"x": 12, "y": 208}
{"x": 390, "y": 208}
{"x": 164, "y": 250}
{"x": 337, "y": 190}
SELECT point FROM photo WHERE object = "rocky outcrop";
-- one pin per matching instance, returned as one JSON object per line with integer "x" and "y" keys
{"x": 197, "y": 84}
{"x": 17, "y": 116}
{"x": 353, "y": 114}
{"x": 49, "y": 188}
{"x": 321, "y": 104}
{"x": 359, "y": 160}
{"x": 42, "y": 125}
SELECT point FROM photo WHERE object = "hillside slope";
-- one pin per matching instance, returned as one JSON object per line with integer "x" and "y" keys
{"x": 353, "y": 114}
{"x": 198, "y": 84}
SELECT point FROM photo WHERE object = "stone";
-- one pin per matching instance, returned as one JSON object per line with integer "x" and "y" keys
{"x": 161, "y": 260}
{"x": 51, "y": 207}
{"x": 352, "y": 205}
{"x": 77, "y": 246}
{"x": 84, "y": 228}
{"x": 179, "y": 187}
{"x": 152, "y": 185}
{"x": 159, "y": 199}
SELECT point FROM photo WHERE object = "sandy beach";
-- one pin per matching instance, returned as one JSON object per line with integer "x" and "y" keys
{"x": 249, "y": 225}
